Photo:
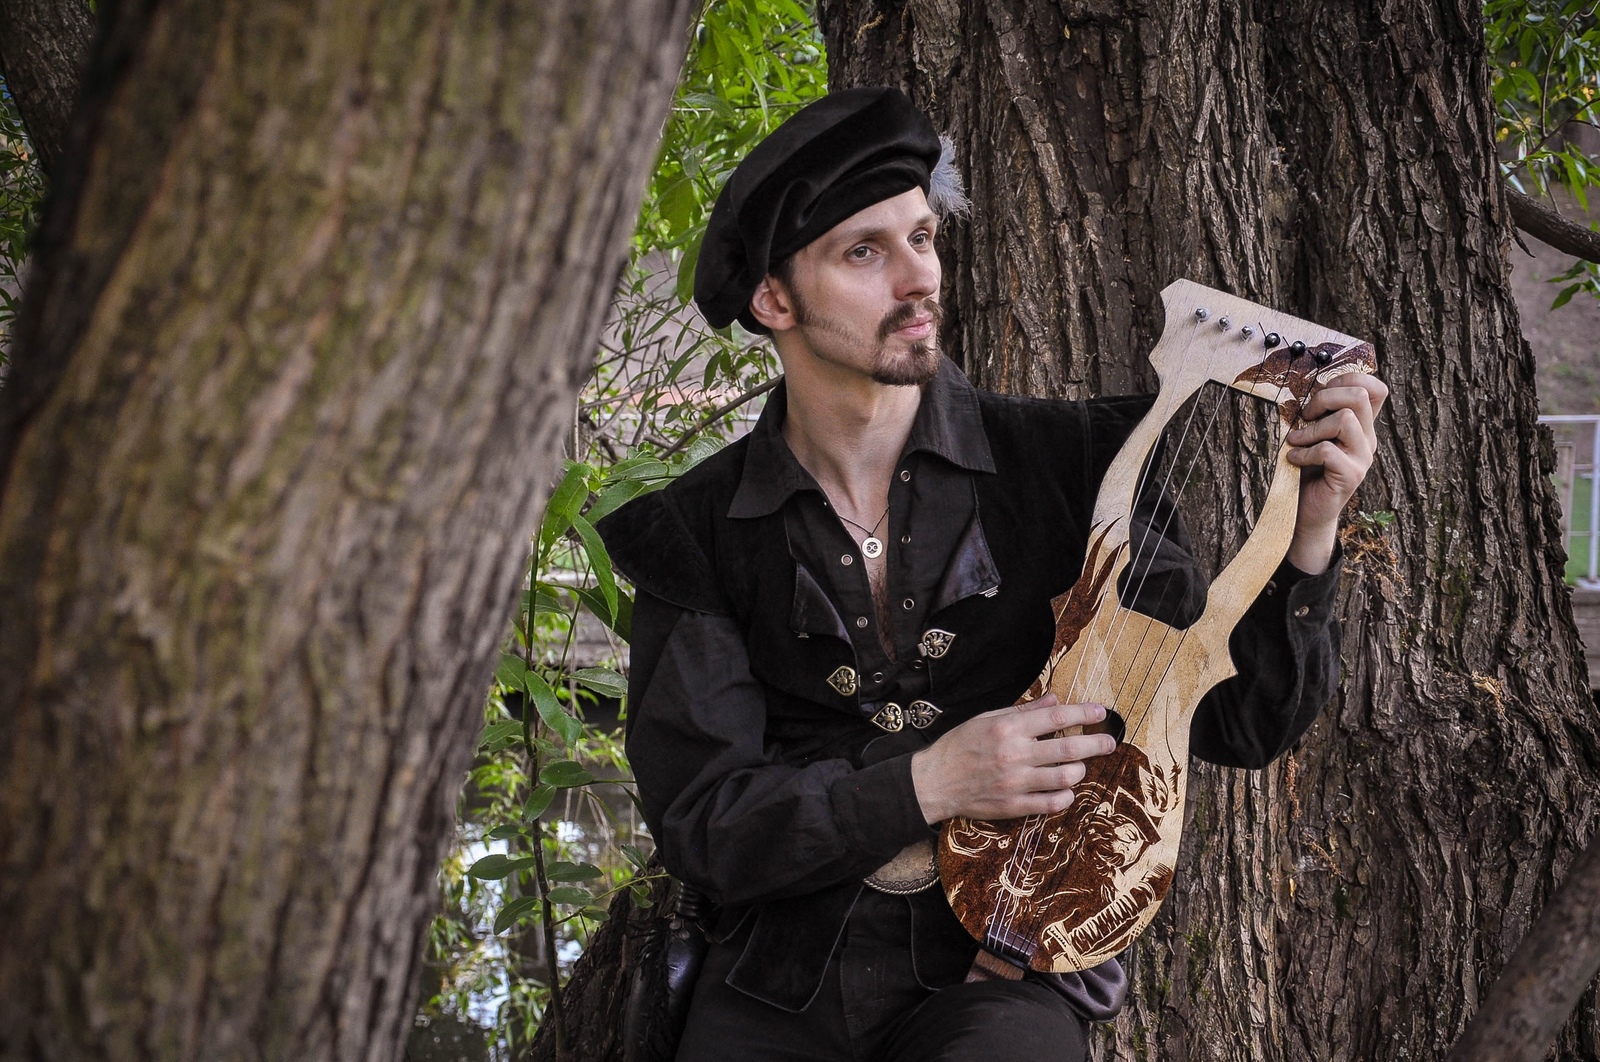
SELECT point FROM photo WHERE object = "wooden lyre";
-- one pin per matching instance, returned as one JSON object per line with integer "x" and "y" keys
{"x": 1065, "y": 892}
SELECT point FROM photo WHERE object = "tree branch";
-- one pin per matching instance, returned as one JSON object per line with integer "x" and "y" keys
{"x": 1544, "y": 223}
{"x": 44, "y": 47}
{"x": 718, "y": 413}
{"x": 1547, "y": 973}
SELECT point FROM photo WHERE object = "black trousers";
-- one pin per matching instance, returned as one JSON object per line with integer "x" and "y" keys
{"x": 873, "y": 1008}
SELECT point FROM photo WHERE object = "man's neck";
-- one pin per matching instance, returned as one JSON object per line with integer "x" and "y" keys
{"x": 848, "y": 431}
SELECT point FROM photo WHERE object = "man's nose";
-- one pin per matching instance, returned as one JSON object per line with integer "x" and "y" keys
{"x": 917, "y": 275}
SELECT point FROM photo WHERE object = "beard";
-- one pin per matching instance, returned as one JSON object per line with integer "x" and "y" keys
{"x": 912, "y": 366}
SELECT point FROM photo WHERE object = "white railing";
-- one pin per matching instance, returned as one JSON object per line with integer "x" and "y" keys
{"x": 1577, "y": 437}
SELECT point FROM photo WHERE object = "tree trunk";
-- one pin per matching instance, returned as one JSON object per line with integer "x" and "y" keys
{"x": 1335, "y": 161}
{"x": 44, "y": 45}
{"x": 294, "y": 369}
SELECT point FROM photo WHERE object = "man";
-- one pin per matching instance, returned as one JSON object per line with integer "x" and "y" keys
{"x": 835, "y": 614}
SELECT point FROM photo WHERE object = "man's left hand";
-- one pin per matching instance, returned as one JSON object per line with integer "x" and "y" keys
{"x": 1334, "y": 447}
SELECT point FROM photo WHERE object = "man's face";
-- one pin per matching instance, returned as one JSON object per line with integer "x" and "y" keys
{"x": 865, "y": 295}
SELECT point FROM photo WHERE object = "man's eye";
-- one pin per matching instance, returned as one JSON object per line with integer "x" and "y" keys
{"x": 860, "y": 252}
{"x": 922, "y": 239}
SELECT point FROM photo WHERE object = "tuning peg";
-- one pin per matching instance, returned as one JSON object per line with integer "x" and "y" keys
{"x": 1201, "y": 313}
{"x": 1324, "y": 357}
{"x": 1247, "y": 331}
{"x": 1224, "y": 324}
{"x": 1272, "y": 339}
{"x": 1297, "y": 348}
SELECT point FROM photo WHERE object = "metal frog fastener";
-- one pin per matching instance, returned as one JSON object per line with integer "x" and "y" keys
{"x": 891, "y": 717}
{"x": 843, "y": 680}
{"x": 921, "y": 714}
{"x": 935, "y": 642}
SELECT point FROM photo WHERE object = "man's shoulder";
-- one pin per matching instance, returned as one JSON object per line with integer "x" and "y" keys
{"x": 1020, "y": 425}
{"x": 662, "y": 540}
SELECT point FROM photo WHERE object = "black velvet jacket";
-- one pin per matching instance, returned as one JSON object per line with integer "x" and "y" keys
{"x": 772, "y": 790}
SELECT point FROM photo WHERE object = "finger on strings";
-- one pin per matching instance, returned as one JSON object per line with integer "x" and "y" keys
{"x": 1060, "y": 717}
{"x": 1049, "y": 700}
{"x": 1054, "y": 751}
{"x": 1056, "y": 778}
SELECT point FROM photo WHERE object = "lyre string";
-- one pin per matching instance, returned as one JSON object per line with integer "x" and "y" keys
{"x": 1271, "y": 440}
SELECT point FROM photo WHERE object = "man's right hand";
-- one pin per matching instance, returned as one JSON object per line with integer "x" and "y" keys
{"x": 1002, "y": 764}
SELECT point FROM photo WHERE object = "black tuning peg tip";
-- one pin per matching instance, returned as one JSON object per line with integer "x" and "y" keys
{"x": 1272, "y": 339}
{"x": 1297, "y": 348}
{"x": 1323, "y": 357}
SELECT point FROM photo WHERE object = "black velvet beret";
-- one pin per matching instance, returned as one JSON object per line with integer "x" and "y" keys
{"x": 831, "y": 159}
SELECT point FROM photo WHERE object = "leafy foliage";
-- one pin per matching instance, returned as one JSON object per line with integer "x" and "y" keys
{"x": 1546, "y": 83}
{"x": 22, "y": 188}
{"x": 549, "y": 819}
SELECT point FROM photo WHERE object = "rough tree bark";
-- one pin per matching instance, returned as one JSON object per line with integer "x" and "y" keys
{"x": 300, "y": 348}
{"x": 1352, "y": 901}
{"x": 43, "y": 47}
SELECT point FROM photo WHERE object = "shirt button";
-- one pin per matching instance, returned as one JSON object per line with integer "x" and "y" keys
{"x": 1302, "y": 612}
{"x": 861, "y": 621}
{"x": 847, "y": 559}
{"x": 905, "y": 540}
{"x": 905, "y": 475}
{"x": 908, "y": 604}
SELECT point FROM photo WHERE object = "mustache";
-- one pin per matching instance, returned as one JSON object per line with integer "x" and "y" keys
{"x": 907, "y": 312}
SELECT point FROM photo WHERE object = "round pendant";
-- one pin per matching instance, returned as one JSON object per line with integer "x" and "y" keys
{"x": 872, "y": 548}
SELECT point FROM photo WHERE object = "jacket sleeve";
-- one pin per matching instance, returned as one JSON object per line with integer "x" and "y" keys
{"x": 727, "y": 814}
{"x": 1286, "y": 648}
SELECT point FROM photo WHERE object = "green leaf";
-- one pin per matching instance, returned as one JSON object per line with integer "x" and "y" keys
{"x": 684, "y": 288}
{"x": 637, "y": 468}
{"x": 538, "y": 801}
{"x": 550, "y": 709}
{"x": 678, "y": 206}
{"x": 701, "y": 449}
{"x": 622, "y": 623}
{"x": 565, "y": 501}
{"x": 498, "y": 865}
{"x": 543, "y": 602}
{"x": 602, "y": 680}
{"x": 599, "y": 560}
{"x": 615, "y": 497}
{"x": 515, "y": 911}
{"x": 565, "y": 774}
{"x": 1566, "y": 295}
{"x": 634, "y": 856}
{"x": 505, "y": 833}
{"x": 495, "y": 735}
{"x": 571, "y": 896}
{"x": 596, "y": 914}
{"x": 561, "y": 870}
{"x": 511, "y": 671}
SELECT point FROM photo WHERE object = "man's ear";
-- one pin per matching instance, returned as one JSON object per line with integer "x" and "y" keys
{"x": 772, "y": 305}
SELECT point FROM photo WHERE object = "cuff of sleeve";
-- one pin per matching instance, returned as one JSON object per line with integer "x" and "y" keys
{"x": 877, "y": 808}
{"x": 1310, "y": 599}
